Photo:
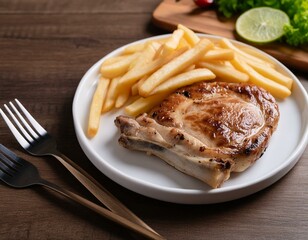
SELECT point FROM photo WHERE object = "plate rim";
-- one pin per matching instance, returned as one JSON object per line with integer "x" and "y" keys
{"x": 259, "y": 184}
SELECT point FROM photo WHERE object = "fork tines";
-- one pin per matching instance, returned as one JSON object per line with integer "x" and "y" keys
{"x": 24, "y": 127}
{"x": 8, "y": 161}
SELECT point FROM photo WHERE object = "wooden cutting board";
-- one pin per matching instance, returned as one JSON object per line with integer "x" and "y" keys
{"x": 172, "y": 12}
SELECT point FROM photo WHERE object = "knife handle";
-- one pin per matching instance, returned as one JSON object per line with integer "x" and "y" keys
{"x": 101, "y": 193}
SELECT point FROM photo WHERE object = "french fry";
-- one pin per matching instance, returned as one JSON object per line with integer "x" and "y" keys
{"x": 141, "y": 81}
{"x": 138, "y": 47}
{"x": 113, "y": 60}
{"x": 175, "y": 66}
{"x": 189, "y": 35}
{"x": 183, "y": 43}
{"x": 134, "y": 89}
{"x": 111, "y": 95}
{"x": 184, "y": 79}
{"x": 192, "y": 67}
{"x": 146, "y": 56}
{"x": 276, "y": 89}
{"x": 118, "y": 68}
{"x": 142, "y": 105}
{"x": 218, "y": 55}
{"x": 227, "y": 73}
{"x": 228, "y": 63}
{"x": 173, "y": 42}
{"x": 122, "y": 98}
{"x": 137, "y": 73}
{"x": 156, "y": 44}
{"x": 271, "y": 73}
{"x": 225, "y": 43}
{"x": 96, "y": 106}
{"x": 257, "y": 54}
{"x": 159, "y": 52}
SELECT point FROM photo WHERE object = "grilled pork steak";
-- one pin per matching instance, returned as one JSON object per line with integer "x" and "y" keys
{"x": 206, "y": 130}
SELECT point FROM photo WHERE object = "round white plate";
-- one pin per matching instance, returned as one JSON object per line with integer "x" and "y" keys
{"x": 152, "y": 177}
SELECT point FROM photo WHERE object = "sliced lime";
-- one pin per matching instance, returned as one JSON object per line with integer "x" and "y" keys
{"x": 261, "y": 25}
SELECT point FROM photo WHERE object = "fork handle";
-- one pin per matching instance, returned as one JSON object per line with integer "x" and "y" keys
{"x": 102, "y": 211}
{"x": 101, "y": 193}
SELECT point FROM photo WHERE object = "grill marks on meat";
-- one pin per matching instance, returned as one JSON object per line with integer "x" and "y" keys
{"x": 234, "y": 120}
{"x": 206, "y": 130}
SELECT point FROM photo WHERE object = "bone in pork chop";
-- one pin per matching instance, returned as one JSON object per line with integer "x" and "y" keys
{"x": 206, "y": 130}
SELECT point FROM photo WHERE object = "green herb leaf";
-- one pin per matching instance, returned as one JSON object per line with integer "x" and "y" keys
{"x": 295, "y": 34}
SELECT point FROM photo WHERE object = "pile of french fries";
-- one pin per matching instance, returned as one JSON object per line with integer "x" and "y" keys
{"x": 145, "y": 73}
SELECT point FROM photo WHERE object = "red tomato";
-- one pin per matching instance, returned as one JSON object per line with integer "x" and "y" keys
{"x": 204, "y": 3}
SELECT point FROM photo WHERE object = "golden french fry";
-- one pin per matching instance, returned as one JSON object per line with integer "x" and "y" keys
{"x": 227, "y": 73}
{"x": 218, "y": 55}
{"x": 114, "y": 60}
{"x": 189, "y": 35}
{"x": 146, "y": 56}
{"x": 257, "y": 54}
{"x": 225, "y": 43}
{"x": 138, "y": 47}
{"x": 156, "y": 44}
{"x": 271, "y": 73}
{"x": 173, "y": 42}
{"x": 228, "y": 63}
{"x": 137, "y": 73}
{"x": 118, "y": 68}
{"x": 142, "y": 105}
{"x": 159, "y": 52}
{"x": 183, "y": 43}
{"x": 175, "y": 66}
{"x": 96, "y": 106}
{"x": 122, "y": 98}
{"x": 192, "y": 67}
{"x": 141, "y": 81}
{"x": 134, "y": 89}
{"x": 276, "y": 89}
{"x": 184, "y": 79}
{"x": 111, "y": 95}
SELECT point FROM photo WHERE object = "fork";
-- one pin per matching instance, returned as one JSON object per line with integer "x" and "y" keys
{"x": 19, "y": 173}
{"x": 37, "y": 141}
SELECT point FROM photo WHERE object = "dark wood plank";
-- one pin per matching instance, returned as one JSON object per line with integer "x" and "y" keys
{"x": 77, "y": 6}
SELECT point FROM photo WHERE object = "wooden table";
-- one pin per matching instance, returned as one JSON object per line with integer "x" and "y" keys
{"x": 46, "y": 47}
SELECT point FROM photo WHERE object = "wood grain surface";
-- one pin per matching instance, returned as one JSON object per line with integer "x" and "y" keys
{"x": 46, "y": 47}
{"x": 171, "y": 12}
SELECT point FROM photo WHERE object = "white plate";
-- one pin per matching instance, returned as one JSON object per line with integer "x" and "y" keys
{"x": 152, "y": 177}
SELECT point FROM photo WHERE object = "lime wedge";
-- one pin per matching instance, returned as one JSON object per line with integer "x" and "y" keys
{"x": 261, "y": 25}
